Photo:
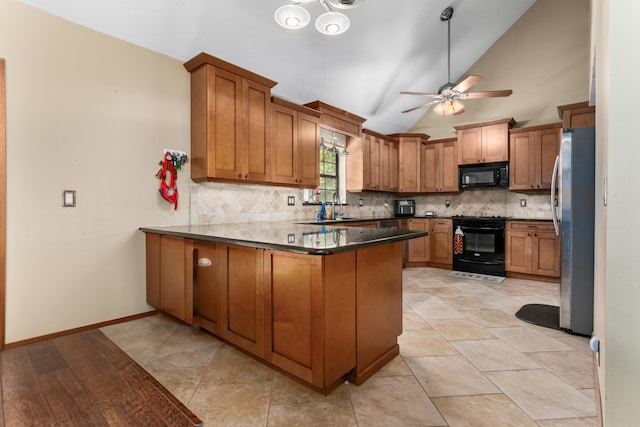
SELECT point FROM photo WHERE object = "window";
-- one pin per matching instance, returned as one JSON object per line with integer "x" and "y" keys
{"x": 329, "y": 176}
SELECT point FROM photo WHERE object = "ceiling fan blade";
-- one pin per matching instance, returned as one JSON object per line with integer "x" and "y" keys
{"x": 433, "y": 95}
{"x": 426, "y": 104}
{"x": 467, "y": 83}
{"x": 489, "y": 94}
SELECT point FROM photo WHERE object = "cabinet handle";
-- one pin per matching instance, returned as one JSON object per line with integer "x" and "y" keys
{"x": 204, "y": 262}
{"x": 246, "y": 176}
{"x": 240, "y": 175}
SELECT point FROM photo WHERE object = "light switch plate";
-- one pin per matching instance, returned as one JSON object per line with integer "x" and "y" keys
{"x": 68, "y": 198}
{"x": 523, "y": 203}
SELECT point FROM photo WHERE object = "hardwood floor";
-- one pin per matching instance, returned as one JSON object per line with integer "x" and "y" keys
{"x": 83, "y": 379}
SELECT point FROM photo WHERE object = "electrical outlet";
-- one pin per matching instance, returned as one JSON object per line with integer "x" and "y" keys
{"x": 447, "y": 203}
{"x": 523, "y": 203}
{"x": 291, "y": 238}
{"x": 291, "y": 200}
{"x": 360, "y": 202}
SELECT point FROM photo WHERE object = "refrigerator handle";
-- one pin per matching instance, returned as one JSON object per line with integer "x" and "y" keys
{"x": 554, "y": 208}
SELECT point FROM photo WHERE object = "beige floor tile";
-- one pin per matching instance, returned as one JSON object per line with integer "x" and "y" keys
{"x": 394, "y": 401}
{"x": 570, "y": 422}
{"x": 321, "y": 414}
{"x": 489, "y": 410}
{"x": 528, "y": 339}
{"x": 397, "y": 367}
{"x": 574, "y": 367}
{"x": 492, "y": 318}
{"x": 449, "y": 291}
{"x": 542, "y": 395}
{"x": 460, "y": 329}
{"x": 232, "y": 366}
{"x": 232, "y": 404}
{"x": 411, "y": 321}
{"x": 289, "y": 392}
{"x": 424, "y": 343}
{"x": 494, "y": 355}
{"x": 449, "y": 376}
{"x": 429, "y": 306}
{"x": 463, "y": 302}
{"x": 181, "y": 381}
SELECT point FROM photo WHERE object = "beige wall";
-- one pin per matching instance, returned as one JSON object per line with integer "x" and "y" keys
{"x": 618, "y": 62}
{"x": 89, "y": 113}
{"x": 543, "y": 58}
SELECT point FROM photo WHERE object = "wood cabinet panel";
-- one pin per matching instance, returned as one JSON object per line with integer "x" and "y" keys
{"x": 484, "y": 142}
{"x": 441, "y": 241}
{"x": 533, "y": 153}
{"x": 152, "y": 256}
{"x": 206, "y": 290}
{"x": 242, "y": 297}
{"x": 385, "y": 150}
{"x": 532, "y": 247}
{"x": 439, "y": 166}
{"x": 577, "y": 115}
{"x": 409, "y": 169}
{"x": 295, "y": 154}
{"x": 379, "y": 307}
{"x": 394, "y": 159}
{"x": 372, "y": 163}
{"x": 419, "y": 248}
{"x": 176, "y": 292}
{"x": 229, "y": 123}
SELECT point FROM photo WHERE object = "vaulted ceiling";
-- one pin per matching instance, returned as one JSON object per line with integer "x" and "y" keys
{"x": 391, "y": 46}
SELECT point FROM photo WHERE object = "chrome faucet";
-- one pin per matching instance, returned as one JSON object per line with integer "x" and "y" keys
{"x": 333, "y": 204}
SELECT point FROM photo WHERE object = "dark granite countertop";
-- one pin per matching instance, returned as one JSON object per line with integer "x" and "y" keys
{"x": 313, "y": 239}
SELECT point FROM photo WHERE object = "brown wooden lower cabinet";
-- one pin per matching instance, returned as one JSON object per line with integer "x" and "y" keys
{"x": 418, "y": 248}
{"x": 441, "y": 242}
{"x": 532, "y": 248}
{"x": 318, "y": 318}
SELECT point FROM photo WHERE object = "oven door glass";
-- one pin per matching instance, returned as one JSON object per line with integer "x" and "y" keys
{"x": 483, "y": 243}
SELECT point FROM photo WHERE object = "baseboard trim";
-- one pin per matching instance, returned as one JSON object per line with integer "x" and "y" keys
{"x": 80, "y": 329}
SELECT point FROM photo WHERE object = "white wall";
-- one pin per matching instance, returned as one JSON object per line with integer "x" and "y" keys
{"x": 617, "y": 94}
{"x": 85, "y": 112}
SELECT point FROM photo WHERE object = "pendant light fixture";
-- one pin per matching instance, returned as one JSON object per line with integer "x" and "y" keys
{"x": 331, "y": 23}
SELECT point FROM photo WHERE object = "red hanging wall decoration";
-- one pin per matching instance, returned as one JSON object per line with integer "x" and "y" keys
{"x": 169, "y": 191}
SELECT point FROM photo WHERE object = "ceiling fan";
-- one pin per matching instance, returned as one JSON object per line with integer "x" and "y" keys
{"x": 447, "y": 98}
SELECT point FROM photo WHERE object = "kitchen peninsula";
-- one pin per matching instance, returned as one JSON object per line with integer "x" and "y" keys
{"x": 320, "y": 303}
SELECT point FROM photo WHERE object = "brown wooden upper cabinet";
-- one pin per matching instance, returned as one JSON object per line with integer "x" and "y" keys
{"x": 409, "y": 145}
{"x": 230, "y": 111}
{"x": 295, "y": 137}
{"x": 579, "y": 115}
{"x": 484, "y": 142}
{"x": 372, "y": 163}
{"x": 439, "y": 166}
{"x": 532, "y": 153}
{"x": 336, "y": 119}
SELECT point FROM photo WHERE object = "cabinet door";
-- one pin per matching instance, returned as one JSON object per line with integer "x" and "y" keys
{"x": 176, "y": 291}
{"x": 449, "y": 167}
{"x": 522, "y": 165}
{"x": 419, "y": 248}
{"x": 548, "y": 147}
{"x": 308, "y": 151}
{"x": 429, "y": 154}
{"x": 284, "y": 134}
{"x": 546, "y": 254}
{"x": 495, "y": 143}
{"x": 152, "y": 254}
{"x": 410, "y": 161}
{"x": 441, "y": 241}
{"x": 206, "y": 289}
{"x": 256, "y": 116}
{"x": 224, "y": 125}
{"x": 393, "y": 166}
{"x": 242, "y": 297}
{"x": 374, "y": 162}
{"x": 294, "y": 300}
{"x": 518, "y": 251}
{"x": 385, "y": 184}
{"x": 470, "y": 146}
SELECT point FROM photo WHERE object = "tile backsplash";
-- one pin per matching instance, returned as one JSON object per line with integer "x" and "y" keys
{"x": 215, "y": 203}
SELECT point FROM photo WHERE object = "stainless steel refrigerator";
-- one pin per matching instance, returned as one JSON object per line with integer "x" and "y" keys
{"x": 573, "y": 207}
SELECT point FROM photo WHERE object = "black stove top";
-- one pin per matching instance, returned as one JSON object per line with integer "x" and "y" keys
{"x": 480, "y": 217}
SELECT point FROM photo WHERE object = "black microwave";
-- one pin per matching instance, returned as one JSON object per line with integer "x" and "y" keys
{"x": 483, "y": 175}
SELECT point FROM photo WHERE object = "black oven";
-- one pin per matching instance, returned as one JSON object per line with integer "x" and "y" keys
{"x": 478, "y": 244}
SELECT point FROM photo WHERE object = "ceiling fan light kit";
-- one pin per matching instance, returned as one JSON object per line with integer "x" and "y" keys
{"x": 330, "y": 23}
{"x": 447, "y": 98}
